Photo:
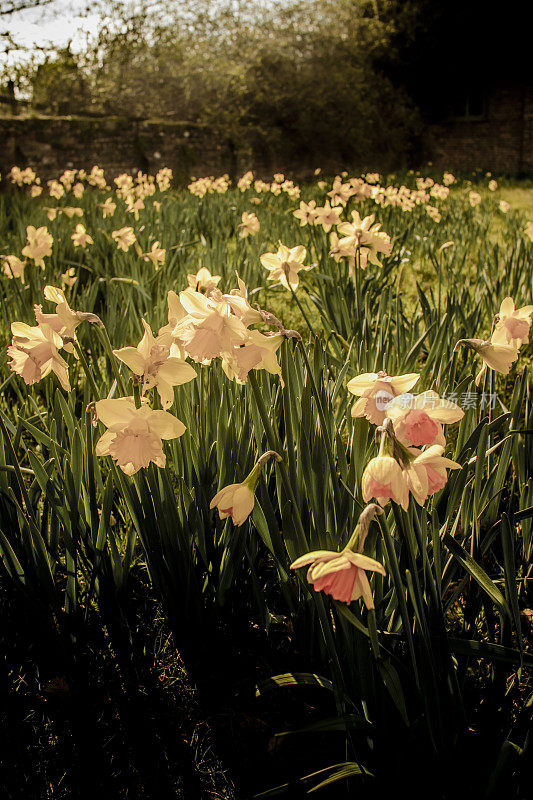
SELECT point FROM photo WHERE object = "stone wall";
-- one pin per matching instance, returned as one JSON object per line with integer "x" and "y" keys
{"x": 502, "y": 141}
{"x": 53, "y": 144}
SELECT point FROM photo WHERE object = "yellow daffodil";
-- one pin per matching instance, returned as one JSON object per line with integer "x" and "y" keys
{"x": 80, "y": 237}
{"x": 13, "y": 267}
{"x": 285, "y": 265}
{"x": 154, "y": 361}
{"x": 39, "y": 244}
{"x": 249, "y": 225}
{"x": 513, "y": 324}
{"x": 34, "y": 353}
{"x": 124, "y": 238}
{"x": 376, "y": 390}
{"x": 134, "y": 438}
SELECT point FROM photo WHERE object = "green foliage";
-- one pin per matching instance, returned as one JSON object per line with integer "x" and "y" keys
{"x": 75, "y": 530}
{"x": 288, "y": 81}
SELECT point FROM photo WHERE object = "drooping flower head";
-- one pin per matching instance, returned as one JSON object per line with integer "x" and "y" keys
{"x": 341, "y": 575}
{"x": 384, "y": 480}
{"x": 237, "y": 500}
{"x": 495, "y": 355}
{"x": 399, "y": 471}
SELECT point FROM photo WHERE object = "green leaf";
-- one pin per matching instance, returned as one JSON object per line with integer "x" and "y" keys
{"x": 477, "y": 573}
{"x": 293, "y": 679}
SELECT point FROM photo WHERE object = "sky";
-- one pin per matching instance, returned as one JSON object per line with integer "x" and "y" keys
{"x": 58, "y": 23}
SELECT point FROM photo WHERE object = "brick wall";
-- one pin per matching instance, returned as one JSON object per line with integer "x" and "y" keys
{"x": 501, "y": 142}
{"x": 53, "y": 144}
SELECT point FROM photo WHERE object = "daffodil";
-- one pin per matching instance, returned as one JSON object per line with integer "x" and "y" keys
{"x": 203, "y": 281}
{"x": 156, "y": 255}
{"x": 285, "y": 265}
{"x": 513, "y": 324}
{"x": 426, "y": 473}
{"x": 13, "y": 267}
{"x": 153, "y": 361}
{"x": 124, "y": 238}
{"x": 39, "y": 245}
{"x": 209, "y": 329}
{"x": 71, "y": 211}
{"x": 365, "y": 236}
{"x": 237, "y": 300}
{"x": 34, "y": 353}
{"x": 306, "y": 214}
{"x": 376, "y": 390}
{"x": 80, "y": 237}
{"x": 418, "y": 419}
{"x": 384, "y": 480}
{"x": 327, "y": 216}
{"x": 341, "y": 575}
{"x": 134, "y": 436}
{"x": 258, "y": 351}
{"x": 108, "y": 208}
{"x": 65, "y": 320}
{"x": 68, "y": 278}
{"x": 496, "y": 356}
{"x": 249, "y": 225}
{"x": 237, "y": 500}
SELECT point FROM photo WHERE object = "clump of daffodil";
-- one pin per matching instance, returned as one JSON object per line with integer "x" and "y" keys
{"x": 398, "y": 471}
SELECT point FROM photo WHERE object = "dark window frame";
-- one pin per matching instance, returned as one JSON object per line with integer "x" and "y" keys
{"x": 469, "y": 101}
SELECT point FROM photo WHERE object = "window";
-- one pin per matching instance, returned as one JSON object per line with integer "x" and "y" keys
{"x": 469, "y": 105}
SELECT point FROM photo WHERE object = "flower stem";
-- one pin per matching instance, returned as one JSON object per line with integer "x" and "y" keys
{"x": 86, "y": 369}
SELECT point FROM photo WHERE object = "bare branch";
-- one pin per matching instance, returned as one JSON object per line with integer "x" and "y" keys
{"x": 12, "y": 8}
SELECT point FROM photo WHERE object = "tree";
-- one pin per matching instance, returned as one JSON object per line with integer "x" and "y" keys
{"x": 59, "y": 85}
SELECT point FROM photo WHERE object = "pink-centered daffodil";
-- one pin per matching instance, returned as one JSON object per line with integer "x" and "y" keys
{"x": 376, "y": 390}
{"x": 418, "y": 419}
{"x": 341, "y": 575}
